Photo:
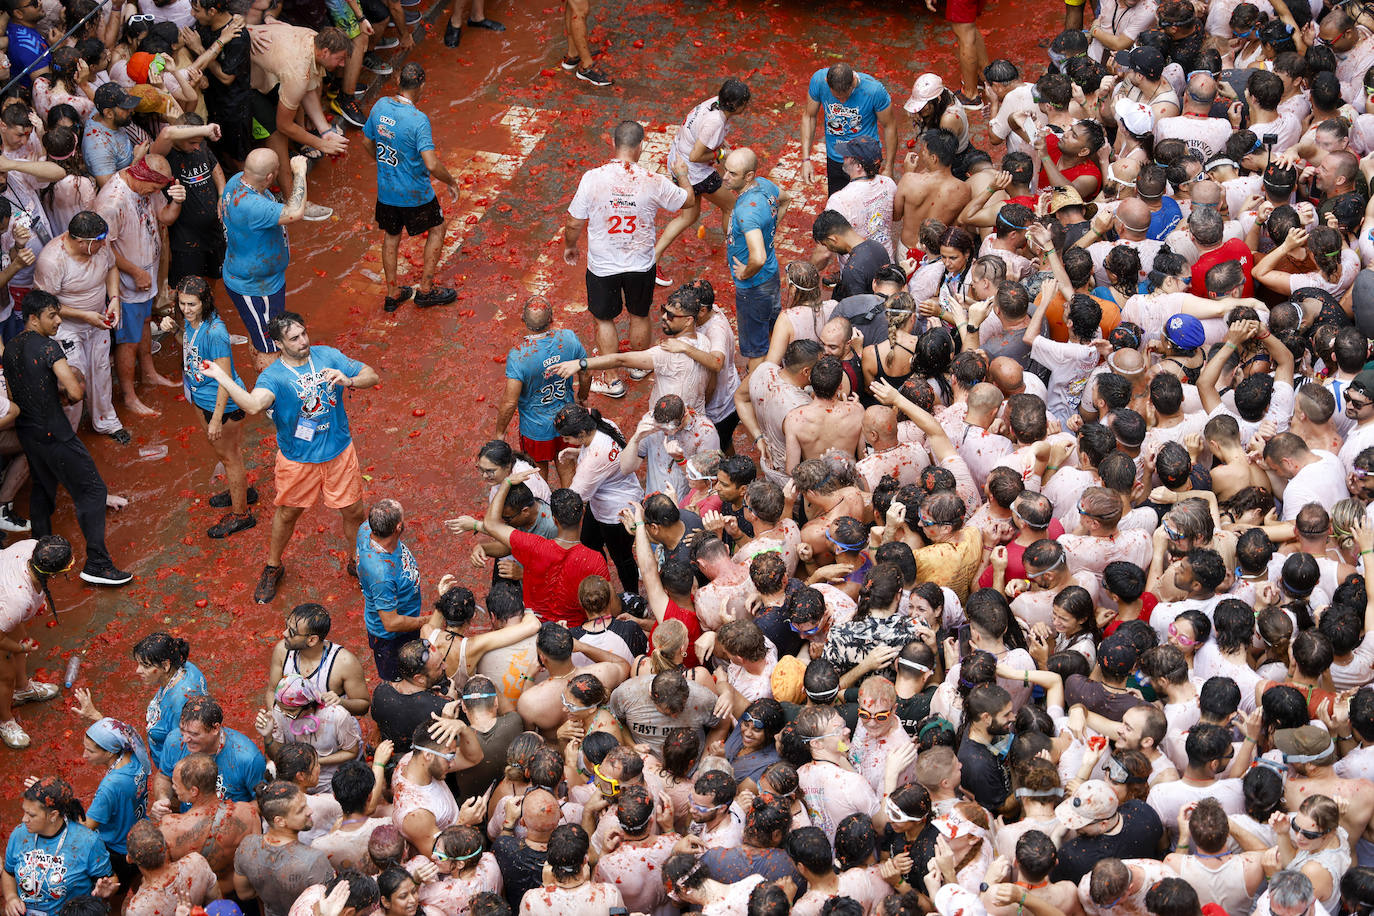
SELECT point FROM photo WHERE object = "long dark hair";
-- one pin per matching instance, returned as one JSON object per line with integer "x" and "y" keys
{"x": 576, "y": 420}
{"x": 51, "y": 555}
{"x": 200, "y": 288}
{"x": 56, "y": 794}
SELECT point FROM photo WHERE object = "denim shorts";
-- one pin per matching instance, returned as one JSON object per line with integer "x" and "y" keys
{"x": 756, "y": 309}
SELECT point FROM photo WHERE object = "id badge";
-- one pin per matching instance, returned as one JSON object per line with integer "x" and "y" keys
{"x": 305, "y": 429}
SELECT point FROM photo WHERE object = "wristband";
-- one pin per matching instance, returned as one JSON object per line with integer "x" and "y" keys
{"x": 1363, "y": 552}
{"x": 758, "y": 438}
{"x": 1051, "y": 467}
{"x": 1232, "y": 346}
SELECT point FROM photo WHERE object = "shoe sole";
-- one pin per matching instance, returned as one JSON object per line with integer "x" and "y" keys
{"x": 588, "y": 79}
{"x": 14, "y": 529}
{"x": 101, "y": 580}
{"x": 354, "y": 122}
{"x": 662, "y": 282}
{"x": 609, "y": 394}
{"x": 383, "y": 46}
{"x": 380, "y": 71}
{"x": 567, "y": 66}
{"x": 318, "y": 219}
{"x": 16, "y": 745}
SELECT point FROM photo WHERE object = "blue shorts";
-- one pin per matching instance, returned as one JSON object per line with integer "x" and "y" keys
{"x": 133, "y": 321}
{"x": 256, "y": 312}
{"x": 756, "y": 309}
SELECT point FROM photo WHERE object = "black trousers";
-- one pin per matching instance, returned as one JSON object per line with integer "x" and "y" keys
{"x": 69, "y": 464}
{"x": 835, "y": 178}
{"x": 618, "y": 543}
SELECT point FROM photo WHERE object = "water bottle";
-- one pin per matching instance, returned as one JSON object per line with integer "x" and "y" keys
{"x": 73, "y": 667}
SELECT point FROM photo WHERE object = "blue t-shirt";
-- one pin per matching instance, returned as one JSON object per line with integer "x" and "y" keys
{"x": 164, "y": 709}
{"x": 1163, "y": 220}
{"x": 208, "y": 341}
{"x": 120, "y": 801}
{"x": 542, "y": 397}
{"x": 27, "y": 45}
{"x": 50, "y": 870}
{"x": 312, "y": 427}
{"x": 756, "y": 208}
{"x": 855, "y": 116}
{"x": 390, "y": 582}
{"x": 255, "y": 263}
{"x": 106, "y": 151}
{"x": 241, "y": 764}
{"x": 401, "y": 133}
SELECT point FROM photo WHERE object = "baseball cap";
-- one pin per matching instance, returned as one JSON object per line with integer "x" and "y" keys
{"x": 1117, "y": 656}
{"x": 1184, "y": 332}
{"x": 925, "y": 90}
{"x": 1092, "y": 801}
{"x": 1364, "y": 383}
{"x": 865, "y": 149}
{"x": 1135, "y": 116}
{"x": 1305, "y": 744}
{"x": 112, "y": 95}
{"x": 1146, "y": 61}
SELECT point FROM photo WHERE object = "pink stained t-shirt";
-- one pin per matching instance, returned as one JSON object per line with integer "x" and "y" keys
{"x": 191, "y": 880}
{"x": 592, "y": 899}
{"x": 832, "y": 793}
{"x": 78, "y": 283}
{"x": 635, "y": 868}
{"x": 452, "y": 894}
{"x": 20, "y": 599}
{"x": 132, "y": 219}
{"x": 620, "y": 201}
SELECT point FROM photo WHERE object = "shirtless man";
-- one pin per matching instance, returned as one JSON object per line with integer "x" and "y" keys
{"x": 929, "y": 188}
{"x": 305, "y": 649}
{"x": 1234, "y": 471}
{"x": 828, "y": 422}
{"x": 772, "y": 393}
{"x": 1355, "y": 797}
{"x": 826, "y": 486}
{"x": 213, "y": 827}
{"x": 546, "y": 706}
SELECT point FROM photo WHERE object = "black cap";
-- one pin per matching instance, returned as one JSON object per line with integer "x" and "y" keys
{"x": 1148, "y": 62}
{"x": 112, "y": 95}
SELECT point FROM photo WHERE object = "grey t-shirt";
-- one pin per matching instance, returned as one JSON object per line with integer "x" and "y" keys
{"x": 632, "y": 705}
{"x": 477, "y": 779}
{"x": 866, "y": 313}
{"x": 280, "y": 873}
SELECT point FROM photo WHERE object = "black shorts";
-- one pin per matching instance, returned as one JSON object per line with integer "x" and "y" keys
{"x": 205, "y": 260}
{"x": 229, "y": 416}
{"x": 375, "y": 11}
{"x": 415, "y": 220}
{"x": 633, "y": 292}
{"x": 708, "y": 185}
{"x": 263, "y": 106}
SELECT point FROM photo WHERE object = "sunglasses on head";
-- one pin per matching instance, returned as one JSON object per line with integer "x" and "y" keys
{"x": 751, "y": 721}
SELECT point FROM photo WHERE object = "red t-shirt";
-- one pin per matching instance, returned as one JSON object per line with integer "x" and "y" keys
{"x": 1147, "y": 607}
{"x": 1015, "y": 568}
{"x": 552, "y": 575}
{"x": 1230, "y": 250}
{"x": 675, "y": 611}
{"x": 1083, "y": 168}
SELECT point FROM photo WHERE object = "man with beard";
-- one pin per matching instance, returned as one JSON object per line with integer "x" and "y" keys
{"x": 107, "y": 145}
{"x": 990, "y": 716}
{"x": 273, "y": 867}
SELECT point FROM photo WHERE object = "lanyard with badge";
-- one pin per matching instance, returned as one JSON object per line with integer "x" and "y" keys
{"x": 306, "y": 426}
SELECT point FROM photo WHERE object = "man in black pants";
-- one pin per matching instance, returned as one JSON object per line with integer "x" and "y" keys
{"x": 38, "y": 377}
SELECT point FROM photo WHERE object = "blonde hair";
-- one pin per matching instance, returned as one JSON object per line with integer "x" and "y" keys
{"x": 670, "y": 638}
{"x": 805, "y": 279}
{"x": 901, "y": 309}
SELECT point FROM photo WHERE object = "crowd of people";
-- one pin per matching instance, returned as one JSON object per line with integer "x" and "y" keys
{"x": 1004, "y": 553}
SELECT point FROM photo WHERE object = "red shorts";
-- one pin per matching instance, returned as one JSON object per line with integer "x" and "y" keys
{"x": 963, "y": 10}
{"x": 546, "y": 450}
{"x": 301, "y": 484}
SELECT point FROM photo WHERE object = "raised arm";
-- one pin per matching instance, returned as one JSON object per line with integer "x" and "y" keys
{"x": 936, "y": 437}
{"x": 1207, "y": 380}
{"x": 654, "y": 592}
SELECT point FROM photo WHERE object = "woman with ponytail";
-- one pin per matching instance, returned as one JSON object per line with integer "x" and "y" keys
{"x": 595, "y": 475}
{"x": 160, "y": 662}
{"x": 872, "y": 641}
{"x": 25, "y": 569}
{"x": 806, "y": 312}
{"x": 894, "y": 360}
{"x": 1334, "y": 265}
{"x": 51, "y": 856}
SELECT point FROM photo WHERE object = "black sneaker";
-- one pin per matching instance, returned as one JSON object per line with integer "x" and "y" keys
{"x": 224, "y": 500}
{"x": 376, "y": 65}
{"x": 387, "y": 42}
{"x": 267, "y": 584}
{"x": 593, "y": 76}
{"x": 437, "y": 295}
{"x": 394, "y": 302}
{"x": 413, "y": 16}
{"x": 452, "y": 35}
{"x": 231, "y": 524}
{"x": 351, "y": 113}
{"x": 121, "y": 436}
{"x": 490, "y": 25}
{"x": 105, "y": 574}
{"x": 571, "y": 63}
{"x": 13, "y": 521}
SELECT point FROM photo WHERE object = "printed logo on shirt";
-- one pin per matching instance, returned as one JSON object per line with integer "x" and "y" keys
{"x": 41, "y": 874}
{"x": 317, "y": 396}
{"x": 841, "y": 120}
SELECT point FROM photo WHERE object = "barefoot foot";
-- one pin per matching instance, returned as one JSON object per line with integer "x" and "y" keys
{"x": 139, "y": 408}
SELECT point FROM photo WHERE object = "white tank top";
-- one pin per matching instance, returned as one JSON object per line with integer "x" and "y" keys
{"x": 1223, "y": 885}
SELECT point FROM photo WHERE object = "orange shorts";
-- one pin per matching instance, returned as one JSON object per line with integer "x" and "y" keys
{"x": 339, "y": 480}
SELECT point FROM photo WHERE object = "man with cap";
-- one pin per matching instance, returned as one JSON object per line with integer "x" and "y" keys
{"x": 1067, "y": 206}
{"x": 1195, "y": 126}
{"x": 107, "y": 140}
{"x": 1359, "y": 406}
{"x": 134, "y": 204}
{"x": 867, "y": 200}
{"x": 1148, "y": 86}
{"x": 861, "y": 258}
{"x": 1311, "y": 754}
{"x": 1103, "y": 829}
{"x": 850, "y": 104}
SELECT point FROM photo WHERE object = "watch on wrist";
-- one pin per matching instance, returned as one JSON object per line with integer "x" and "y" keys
{"x": 971, "y": 328}
{"x": 582, "y": 364}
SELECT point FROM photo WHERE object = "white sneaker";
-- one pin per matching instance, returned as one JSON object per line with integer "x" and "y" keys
{"x": 637, "y": 374}
{"x": 12, "y": 521}
{"x": 315, "y": 213}
{"x": 615, "y": 389}
{"x": 36, "y": 692}
{"x": 13, "y": 734}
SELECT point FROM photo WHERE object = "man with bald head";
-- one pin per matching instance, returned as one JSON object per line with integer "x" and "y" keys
{"x": 750, "y": 256}
{"x": 133, "y": 207}
{"x": 839, "y": 339}
{"x": 982, "y": 449}
{"x": 538, "y": 397}
{"x": 1204, "y": 134}
{"x": 1007, "y": 374}
{"x": 1132, "y": 223}
{"x": 522, "y": 861}
{"x": 887, "y": 456}
{"x": 256, "y": 257}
